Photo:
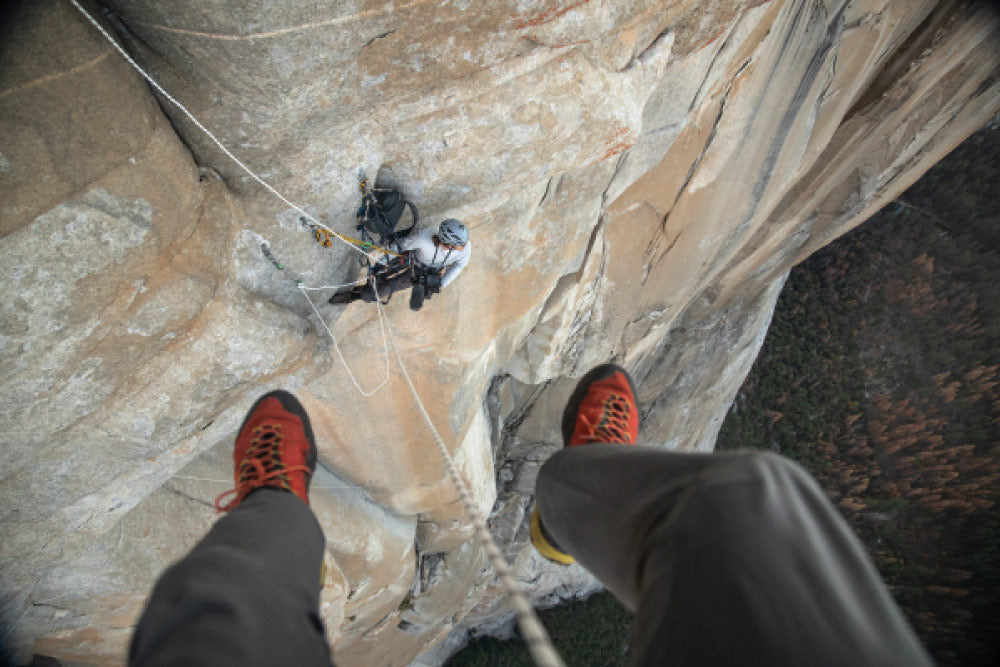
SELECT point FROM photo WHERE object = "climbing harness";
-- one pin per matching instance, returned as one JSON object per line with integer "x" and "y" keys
{"x": 532, "y": 631}
{"x": 389, "y": 273}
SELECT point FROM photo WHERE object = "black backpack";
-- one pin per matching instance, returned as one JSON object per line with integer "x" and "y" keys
{"x": 380, "y": 212}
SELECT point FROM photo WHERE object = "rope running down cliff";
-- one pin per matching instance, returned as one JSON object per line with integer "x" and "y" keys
{"x": 532, "y": 631}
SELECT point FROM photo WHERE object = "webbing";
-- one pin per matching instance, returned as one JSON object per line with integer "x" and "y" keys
{"x": 535, "y": 637}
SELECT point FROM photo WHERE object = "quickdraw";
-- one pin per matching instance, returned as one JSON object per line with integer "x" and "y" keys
{"x": 266, "y": 249}
{"x": 325, "y": 238}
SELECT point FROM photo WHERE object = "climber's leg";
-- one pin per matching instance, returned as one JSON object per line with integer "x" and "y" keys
{"x": 347, "y": 296}
{"x": 386, "y": 287}
{"x": 247, "y": 594}
{"x": 725, "y": 558}
{"x": 602, "y": 408}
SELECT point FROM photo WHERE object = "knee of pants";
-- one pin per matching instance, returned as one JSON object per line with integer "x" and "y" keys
{"x": 207, "y": 571}
{"x": 763, "y": 486}
{"x": 765, "y": 466}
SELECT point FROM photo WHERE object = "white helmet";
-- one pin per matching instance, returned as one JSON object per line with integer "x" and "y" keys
{"x": 453, "y": 232}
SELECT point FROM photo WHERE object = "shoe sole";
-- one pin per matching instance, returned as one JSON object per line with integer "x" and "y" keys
{"x": 292, "y": 405}
{"x": 573, "y": 405}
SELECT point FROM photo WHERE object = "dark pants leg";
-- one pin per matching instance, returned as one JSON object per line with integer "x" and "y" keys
{"x": 247, "y": 594}
{"x": 734, "y": 558}
{"x": 386, "y": 287}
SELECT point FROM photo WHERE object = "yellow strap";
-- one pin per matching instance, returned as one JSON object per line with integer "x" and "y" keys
{"x": 323, "y": 238}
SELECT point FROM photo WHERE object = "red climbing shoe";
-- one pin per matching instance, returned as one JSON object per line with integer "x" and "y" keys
{"x": 602, "y": 409}
{"x": 275, "y": 448}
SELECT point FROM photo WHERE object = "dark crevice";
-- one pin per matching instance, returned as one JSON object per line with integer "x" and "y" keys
{"x": 53, "y": 606}
{"x": 129, "y": 38}
{"x": 646, "y": 51}
{"x": 834, "y": 28}
{"x": 377, "y": 37}
{"x": 704, "y": 149}
{"x": 191, "y": 498}
{"x": 548, "y": 189}
{"x": 711, "y": 66}
{"x": 905, "y": 54}
{"x": 987, "y": 83}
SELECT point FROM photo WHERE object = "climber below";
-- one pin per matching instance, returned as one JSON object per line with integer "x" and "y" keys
{"x": 430, "y": 260}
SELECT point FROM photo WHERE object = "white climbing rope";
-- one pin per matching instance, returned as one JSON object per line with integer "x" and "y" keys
{"x": 536, "y": 639}
{"x": 340, "y": 354}
{"x": 322, "y": 287}
{"x": 209, "y": 134}
{"x": 336, "y": 346}
{"x": 532, "y": 631}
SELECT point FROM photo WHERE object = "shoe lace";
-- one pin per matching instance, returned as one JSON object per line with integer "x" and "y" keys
{"x": 260, "y": 467}
{"x": 612, "y": 426}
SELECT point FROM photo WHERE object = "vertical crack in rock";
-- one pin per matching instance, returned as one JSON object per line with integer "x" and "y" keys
{"x": 701, "y": 155}
{"x": 792, "y": 112}
{"x": 899, "y": 56}
{"x": 648, "y": 51}
{"x": 710, "y": 70}
{"x": 548, "y": 188}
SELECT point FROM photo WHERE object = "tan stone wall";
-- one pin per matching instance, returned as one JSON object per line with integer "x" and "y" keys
{"x": 638, "y": 178}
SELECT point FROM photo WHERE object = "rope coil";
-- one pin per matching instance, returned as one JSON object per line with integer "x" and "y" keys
{"x": 536, "y": 639}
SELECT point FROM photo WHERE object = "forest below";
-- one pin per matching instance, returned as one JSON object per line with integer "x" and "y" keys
{"x": 881, "y": 374}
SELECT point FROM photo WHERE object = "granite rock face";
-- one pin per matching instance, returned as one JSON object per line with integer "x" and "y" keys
{"x": 638, "y": 178}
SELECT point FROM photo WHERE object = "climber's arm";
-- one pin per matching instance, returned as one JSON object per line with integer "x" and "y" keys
{"x": 454, "y": 269}
{"x": 416, "y": 241}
